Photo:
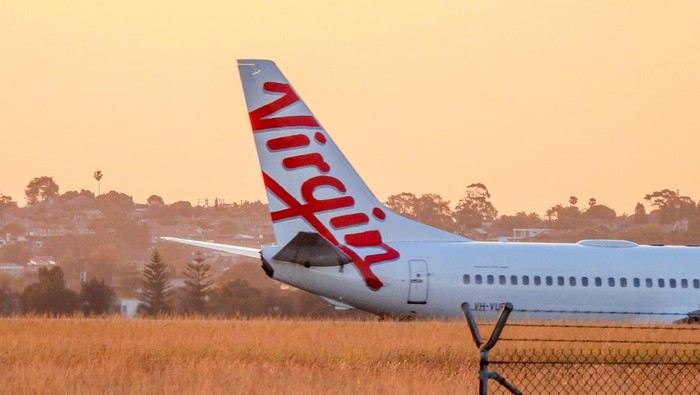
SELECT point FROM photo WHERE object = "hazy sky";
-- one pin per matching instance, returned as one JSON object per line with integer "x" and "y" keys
{"x": 537, "y": 100}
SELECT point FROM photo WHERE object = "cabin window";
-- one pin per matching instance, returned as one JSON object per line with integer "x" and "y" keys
{"x": 538, "y": 280}
{"x": 560, "y": 281}
{"x": 684, "y": 283}
{"x": 650, "y": 283}
{"x": 502, "y": 279}
{"x": 548, "y": 280}
{"x": 572, "y": 281}
{"x": 662, "y": 283}
{"x": 623, "y": 282}
{"x": 696, "y": 283}
{"x": 489, "y": 279}
{"x": 514, "y": 280}
{"x": 636, "y": 282}
{"x": 672, "y": 282}
{"x": 526, "y": 280}
{"x": 584, "y": 281}
{"x": 598, "y": 281}
{"x": 478, "y": 279}
{"x": 611, "y": 282}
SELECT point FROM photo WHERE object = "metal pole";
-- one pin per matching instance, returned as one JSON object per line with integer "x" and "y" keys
{"x": 484, "y": 373}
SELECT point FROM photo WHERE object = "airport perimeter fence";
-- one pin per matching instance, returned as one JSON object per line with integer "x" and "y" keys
{"x": 587, "y": 358}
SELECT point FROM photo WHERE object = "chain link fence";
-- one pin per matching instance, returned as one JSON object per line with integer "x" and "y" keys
{"x": 587, "y": 358}
{"x": 595, "y": 371}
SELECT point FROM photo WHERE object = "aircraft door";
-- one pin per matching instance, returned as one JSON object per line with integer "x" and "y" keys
{"x": 418, "y": 282}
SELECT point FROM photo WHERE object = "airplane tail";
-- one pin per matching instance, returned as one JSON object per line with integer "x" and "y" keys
{"x": 311, "y": 186}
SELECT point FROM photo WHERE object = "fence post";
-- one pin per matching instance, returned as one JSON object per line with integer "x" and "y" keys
{"x": 484, "y": 373}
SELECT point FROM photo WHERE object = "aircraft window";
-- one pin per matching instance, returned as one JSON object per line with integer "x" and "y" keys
{"x": 501, "y": 279}
{"x": 636, "y": 282}
{"x": 526, "y": 280}
{"x": 560, "y": 281}
{"x": 696, "y": 283}
{"x": 672, "y": 282}
{"x": 466, "y": 279}
{"x": 611, "y": 282}
{"x": 477, "y": 279}
{"x": 661, "y": 283}
{"x": 684, "y": 283}
{"x": 598, "y": 282}
{"x": 650, "y": 283}
{"x": 623, "y": 282}
{"x": 538, "y": 280}
{"x": 548, "y": 280}
{"x": 584, "y": 281}
{"x": 489, "y": 279}
{"x": 572, "y": 281}
{"x": 514, "y": 280}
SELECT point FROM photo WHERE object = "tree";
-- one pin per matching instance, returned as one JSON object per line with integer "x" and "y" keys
{"x": 40, "y": 189}
{"x": 180, "y": 208}
{"x": 672, "y": 207}
{"x": 70, "y": 195}
{"x": 565, "y": 217}
{"x": 600, "y": 211}
{"x": 114, "y": 201}
{"x": 403, "y": 204}
{"x": 640, "y": 214}
{"x": 98, "y": 176}
{"x": 97, "y": 297}
{"x": 573, "y": 200}
{"x": 49, "y": 295}
{"x": 520, "y": 220}
{"x": 155, "y": 291}
{"x": 237, "y": 297}
{"x": 592, "y": 202}
{"x": 429, "y": 208}
{"x": 155, "y": 201}
{"x": 6, "y": 202}
{"x": 198, "y": 286}
{"x": 9, "y": 300}
{"x": 475, "y": 207}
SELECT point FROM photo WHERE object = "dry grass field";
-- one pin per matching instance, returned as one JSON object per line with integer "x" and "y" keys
{"x": 113, "y": 356}
{"x": 261, "y": 356}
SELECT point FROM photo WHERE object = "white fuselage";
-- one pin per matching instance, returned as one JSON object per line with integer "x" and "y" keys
{"x": 433, "y": 279}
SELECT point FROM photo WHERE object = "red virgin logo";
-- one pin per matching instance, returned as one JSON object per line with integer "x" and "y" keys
{"x": 342, "y": 226}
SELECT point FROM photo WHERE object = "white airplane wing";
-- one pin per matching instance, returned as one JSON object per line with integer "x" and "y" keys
{"x": 244, "y": 251}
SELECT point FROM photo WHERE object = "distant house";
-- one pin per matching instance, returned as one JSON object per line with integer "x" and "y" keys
{"x": 128, "y": 308}
{"x": 681, "y": 225}
{"x": 9, "y": 238}
{"x": 93, "y": 214}
{"x": 48, "y": 232}
{"x": 12, "y": 269}
{"x": 527, "y": 234}
{"x": 42, "y": 260}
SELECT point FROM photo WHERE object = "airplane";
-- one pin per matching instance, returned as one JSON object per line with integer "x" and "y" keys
{"x": 335, "y": 239}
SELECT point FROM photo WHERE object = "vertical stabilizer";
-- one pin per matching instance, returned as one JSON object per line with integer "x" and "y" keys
{"x": 311, "y": 186}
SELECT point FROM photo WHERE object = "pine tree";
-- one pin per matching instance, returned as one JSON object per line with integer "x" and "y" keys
{"x": 198, "y": 285}
{"x": 155, "y": 290}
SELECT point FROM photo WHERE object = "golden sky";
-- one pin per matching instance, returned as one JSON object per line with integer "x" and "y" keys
{"x": 537, "y": 100}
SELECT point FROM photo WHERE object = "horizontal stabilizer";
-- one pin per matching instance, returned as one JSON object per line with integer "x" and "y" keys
{"x": 244, "y": 251}
{"x": 311, "y": 249}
